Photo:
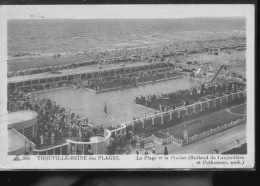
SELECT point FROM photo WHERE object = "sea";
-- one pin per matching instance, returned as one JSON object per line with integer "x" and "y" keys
{"x": 50, "y": 36}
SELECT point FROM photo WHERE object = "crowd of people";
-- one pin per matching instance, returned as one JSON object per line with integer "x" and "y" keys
{"x": 133, "y": 77}
{"x": 112, "y": 78}
{"x": 181, "y": 98}
{"x": 170, "y": 100}
{"x": 54, "y": 123}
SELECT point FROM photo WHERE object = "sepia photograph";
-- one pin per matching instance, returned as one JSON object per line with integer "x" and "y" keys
{"x": 108, "y": 83}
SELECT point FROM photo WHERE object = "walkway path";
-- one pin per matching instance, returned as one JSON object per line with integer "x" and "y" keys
{"x": 237, "y": 114}
{"x": 218, "y": 141}
{"x": 222, "y": 141}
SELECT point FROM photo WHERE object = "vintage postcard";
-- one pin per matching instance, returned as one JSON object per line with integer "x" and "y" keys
{"x": 127, "y": 87}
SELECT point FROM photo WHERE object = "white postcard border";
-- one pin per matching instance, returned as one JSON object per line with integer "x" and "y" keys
{"x": 125, "y": 12}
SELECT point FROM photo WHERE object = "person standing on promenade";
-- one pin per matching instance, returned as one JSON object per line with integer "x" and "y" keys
{"x": 153, "y": 150}
{"x": 165, "y": 151}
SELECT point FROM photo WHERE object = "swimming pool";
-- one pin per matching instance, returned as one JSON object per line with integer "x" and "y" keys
{"x": 121, "y": 106}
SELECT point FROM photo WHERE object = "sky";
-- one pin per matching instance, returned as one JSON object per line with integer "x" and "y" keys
{"x": 124, "y": 11}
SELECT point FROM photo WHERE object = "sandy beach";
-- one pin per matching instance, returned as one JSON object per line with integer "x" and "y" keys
{"x": 189, "y": 41}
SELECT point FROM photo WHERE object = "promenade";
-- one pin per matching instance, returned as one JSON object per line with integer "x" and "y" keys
{"x": 222, "y": 141}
